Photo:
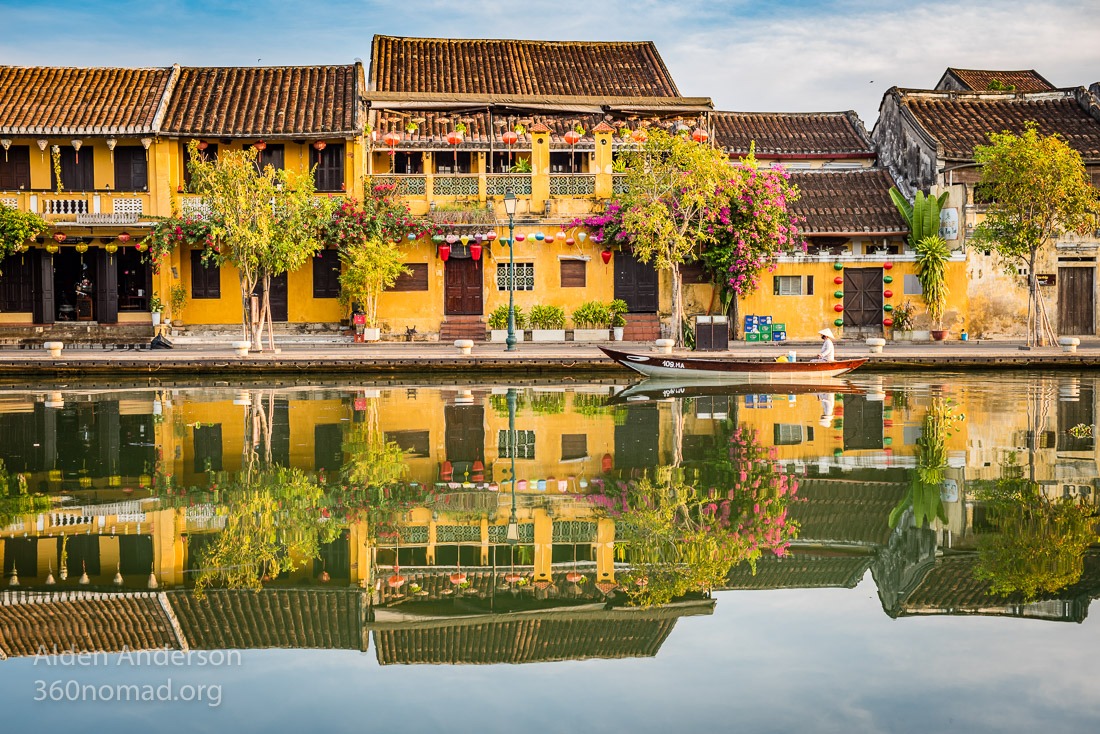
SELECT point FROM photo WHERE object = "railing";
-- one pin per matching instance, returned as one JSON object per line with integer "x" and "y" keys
{"x": 462, "y": 184}
{"x": 573, "y": 531}
{"x": 618, "y": 183}
{"x": 572, "y": 184}
{"x": 458, "y": 533}
{"x": 404, "y": 185}
{"x": 65, "y": 207}
{"x": 194, "y": 206}
{"x": 497, "y": 184}
{"x": 499, "y": 533}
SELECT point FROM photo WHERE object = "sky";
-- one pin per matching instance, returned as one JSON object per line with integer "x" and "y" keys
{"x": 746, "y": 55}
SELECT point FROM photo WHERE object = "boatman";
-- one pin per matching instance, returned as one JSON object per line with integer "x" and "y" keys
{"x": 828, "y": 352}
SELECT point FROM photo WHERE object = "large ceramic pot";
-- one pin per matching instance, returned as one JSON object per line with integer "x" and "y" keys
{"x": 939, "y": 334}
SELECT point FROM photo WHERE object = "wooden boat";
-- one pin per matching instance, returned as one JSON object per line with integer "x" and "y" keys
{"x": 670, "y": 366}
{"x": 663, "y": 388}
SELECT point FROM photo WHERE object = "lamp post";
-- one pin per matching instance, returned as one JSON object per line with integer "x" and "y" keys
{"x": 513, "y": 524}
{"x": 510, "y": 207}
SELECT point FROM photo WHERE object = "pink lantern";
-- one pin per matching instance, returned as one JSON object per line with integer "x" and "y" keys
{"x": 490, "y": 236}
{"x": 454, "y": 138}
{"x": 458, "y": 578}
{"x": 639, "y": 135}
{"x": 520, "y": 237}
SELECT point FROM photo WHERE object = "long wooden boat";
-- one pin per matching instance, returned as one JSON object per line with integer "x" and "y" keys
{"x": 670, "y": 366}
{"x": 664, "y": 388}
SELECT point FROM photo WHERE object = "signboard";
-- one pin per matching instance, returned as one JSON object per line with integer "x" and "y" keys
{"x": 1046, "y": 279}
{"x": 949, "y": 224}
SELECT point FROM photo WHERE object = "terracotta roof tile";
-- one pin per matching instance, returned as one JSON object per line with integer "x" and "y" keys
{"x": 287, "y": 618}
{"x": 1024, "y": 80}
{"x": 535, "y": 68}
{"x": 846, "y": 512}
{"x": 76, "y": 101}
{"x": 286, "y": 101}
{"x": 800, "y": 571}
{"x": 959, "y": 121}
{"x": 792, "y": 133}
{"x": 834, "y": 202}
{"x": 82, "y": 621}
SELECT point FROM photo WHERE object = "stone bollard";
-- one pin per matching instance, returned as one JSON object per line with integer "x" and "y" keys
{"x": 54, "y": 348}
{"x": 876, "y": 345}
{"x": 241, "y": 348}
{"x": 1069, "y": 344}
{"x": 464, "y": 346}
{"x": 664, "y": 346}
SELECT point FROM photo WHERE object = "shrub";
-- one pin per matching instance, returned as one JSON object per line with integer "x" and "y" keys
{"x": 547, "y": 317}
{"x": 592, "y": 315}
{"x": 498, "y": 319}
{"x": 618, "y": 310}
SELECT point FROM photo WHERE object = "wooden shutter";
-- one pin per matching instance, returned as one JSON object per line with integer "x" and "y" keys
{"x": 272, "y": 156}
{"x": 415, "y": 280}
{"x": 326, "y": 274}
{"x": 75, "y": 175}
{"x": 206, "y": 280}
{"x": 693, "y": 273}
{"x": 573, "y": 273}
{"x": 131, "y": 169}
{"x": 106, "y": 287}
{"x": 574, "y": 446}
{"x": 209, "y": 154}
{"x": 329, "y": 175}
{"x": 15, "y": 172}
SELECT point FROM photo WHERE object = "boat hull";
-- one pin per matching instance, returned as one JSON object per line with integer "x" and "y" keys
{"x": 668, "y": 366}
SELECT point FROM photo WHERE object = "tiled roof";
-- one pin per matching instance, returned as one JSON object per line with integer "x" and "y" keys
{"x": 82, "y": 621}
{"x": 978, "y": 80}
{"x": 961, "y": 120}
{"x": 287, "y": 101}
{"x": 286, "y": 618}
{"x": 515, "y": 67}
{"x": 836, "y": 202}
{"x": 436, "y": 585}
{"x": 796, "y": 134}
{"x": 433, "y": 126}
{"x": 72, "y": 101}
{"x": 845, "y": 512}
{"x": 800, "y": 571}
{"x": 531, "y": 637}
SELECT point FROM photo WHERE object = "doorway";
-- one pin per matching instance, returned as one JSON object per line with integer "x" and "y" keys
{"x": 462, "y": 286}
{"x": 74, "y": 290}
{"x": 863, "y": 301}
{"x": 279, "y": 301}
{"x": 1076, "y": 301}
{"x": 635, "y": 283}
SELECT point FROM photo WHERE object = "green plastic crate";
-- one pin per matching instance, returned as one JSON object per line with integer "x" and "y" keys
{"x": 752, "y": 337}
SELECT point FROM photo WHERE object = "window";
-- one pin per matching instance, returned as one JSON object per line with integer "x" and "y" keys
{"x": 414, "y": 444}
{"x": 16, "y": 280}
{"x": 453, "y": 162}
{"x": 15, "y": 169}
{"x": 208, "y": 448}
{"x": 209, "y": 153}
{"x": 573, "y": 273}
{"x": 326, "y": 274}
{"x": 693, "y": 273}
{"x": 787, "y": 285}
{"x": 273, "y": 156}
{"x": 77, "y": 172}
{"x": 524, "y": 448}
{"x": 131, "y": 169}
{"x": 525, "y": 276}
{"x": 206, "y": 279}
{"x": 786, "y": 434}
{"x": 414, "y": 280}
{"x": 574, "y": 446}
{"x": 911, "y": 286}
{"x": 329, "y": 175}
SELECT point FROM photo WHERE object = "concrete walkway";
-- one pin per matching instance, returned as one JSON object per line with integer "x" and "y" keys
{"x": 530, "y": 358}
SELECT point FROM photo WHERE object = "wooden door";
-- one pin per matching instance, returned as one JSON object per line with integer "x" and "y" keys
{"x": 863, "y": 298}
{"x": 278, "y": 297}
{"x": 637, "y": 439}
{"x": 462, "y": 287}
{"x": 464, "y": 435}
{"x": 635, "y": 283}
{"x": 106, "y": 286}
{"x": 1076, "y": 301}
{"x": 44, "y": 307}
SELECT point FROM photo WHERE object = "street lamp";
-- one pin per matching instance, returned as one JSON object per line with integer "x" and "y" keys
{"x": 510, "y": 207}
{"x": 513, "y": 525}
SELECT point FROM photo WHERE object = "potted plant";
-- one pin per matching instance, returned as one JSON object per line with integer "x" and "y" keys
{"x": 522, "y": 165}
{"x": 156, "y": 307}
{"x": 178, "y": 298}
{"x": 617, "y": 308}
{"x": 903, "y": 322}
{"x": 591, "y": 321}
{"x": 547, "y": 323}
{"x": 932, "y": 257}
{"x": 498, "y": 323}
{"x": 370, "y": 266}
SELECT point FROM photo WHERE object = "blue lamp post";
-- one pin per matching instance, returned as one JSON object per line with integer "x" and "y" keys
{"x": 513, "y": 524}
{"x": 510, "y": 207}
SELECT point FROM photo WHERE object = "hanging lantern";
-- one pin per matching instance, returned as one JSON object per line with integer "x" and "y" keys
{"x": 838, "y": 294}
{"x": 838, "y": 308}
{"x": 203, "y": 145}
{"x": 452, "y": 238}
{"x": 53, "y": 248}
{"x": 110, "y": 248}
{"x": 454, "y": 138}
{"x": 490, "y": 236}
{"x": 887, "y": 279}
{"x": 606, "y": 255}
{"x": 117, "y": 580}
{"x": 510, "y": 138}
{"x": 887, "y": 266}
{"x": 540, "y": 236}
{"x": 887, "y": 294}
{"x": 887, "y": 322}
{"x": 700, "y": 135}
{"x": 124, "y": 237}
{"x": 260, "y": 146}
{"x": 839, "y": 280}
{"x": 81, "y": 247}
{"x": 319, "y": 145}
{"x": 549, "y": 239}
{"x": 887, "y": 307}
{"x": 145, "y": 143}
{"x": 141, "y": 246}
{"x": 5, "y": 143}
{"x": 59, "y": 237}
{"x": 607, "y": 462}
{"x": 475, "y": 251}
{"x": 582, "y": 236}
{"x": 444, "y": 252}
{"x": 838, "y": 266}
{"x": 14, "y": 580}
{"x": 520, "y": 237}
{"x": 76, "y": 146}
{"x": 396, "y": 581}
{"x": 570, "y": 241}
{"x": 838, "y": 322}
{"x": 42, "y": 145}
{"x": 391, "y": 139}
{"x": 458, "y": 578}
{"x": 464, "y": 239}
{"x": 437, "y": 238}
{"x": 639, "y": 136}
{"x": 572, "y": 137}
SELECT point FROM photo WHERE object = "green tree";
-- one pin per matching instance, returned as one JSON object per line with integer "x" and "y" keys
{"x": 17, "y": 229}
{"x": 1038, "y": 189}
{"x": 266, "y": 223}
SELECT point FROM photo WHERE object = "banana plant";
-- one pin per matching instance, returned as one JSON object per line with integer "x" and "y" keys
{"x": 922, "y": 216}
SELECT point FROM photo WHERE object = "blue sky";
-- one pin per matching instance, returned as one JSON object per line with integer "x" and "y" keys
{"x": 796, "y": 55}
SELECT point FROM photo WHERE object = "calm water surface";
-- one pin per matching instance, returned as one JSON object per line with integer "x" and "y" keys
{"x": 906, "y": 552}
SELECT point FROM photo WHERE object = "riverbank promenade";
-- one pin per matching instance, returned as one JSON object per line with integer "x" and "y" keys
{"x": 390, "y": 358}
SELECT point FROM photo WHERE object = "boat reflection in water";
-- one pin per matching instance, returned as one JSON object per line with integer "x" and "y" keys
{"x": 317, "y": 517}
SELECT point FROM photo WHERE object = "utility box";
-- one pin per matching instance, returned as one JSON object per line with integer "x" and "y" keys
{"x": 712, "y": 333}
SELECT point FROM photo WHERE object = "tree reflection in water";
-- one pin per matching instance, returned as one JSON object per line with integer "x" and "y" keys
{"x": 682, "y": 530}
{"x": 923, "y": 497}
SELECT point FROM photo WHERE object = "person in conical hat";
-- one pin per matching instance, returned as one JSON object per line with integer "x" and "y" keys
{"x": 828, "y": 351}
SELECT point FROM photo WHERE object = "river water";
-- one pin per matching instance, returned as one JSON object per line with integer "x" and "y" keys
{"x": 897, "y": 552}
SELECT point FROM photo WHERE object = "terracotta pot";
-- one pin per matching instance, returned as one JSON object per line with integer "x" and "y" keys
{"x": 939, "y": 335}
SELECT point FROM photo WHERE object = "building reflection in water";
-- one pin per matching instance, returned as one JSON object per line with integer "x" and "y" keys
{"x": 314, "y": 517}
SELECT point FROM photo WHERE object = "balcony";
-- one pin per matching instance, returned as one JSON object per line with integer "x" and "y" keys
{"x": 90, "y": 208}
{"x": 572, "y": 184}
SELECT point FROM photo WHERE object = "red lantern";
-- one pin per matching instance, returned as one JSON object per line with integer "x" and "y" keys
{"x": 700, "y": 135}
{"x": 475, "y": 251}
{"x": 203, "y": 145}
{"x": 570, "y": 241}
{"x": 396, "y": 581}
{"x": 607, "y": 462}
{"x": 124, "y": 237}
{"x": 839, "y": 280}
{"x": 887, "y": 294}
{"x": 573, "y": 577}
{"x": 838, "y": 308}
{"x": 454, "y": 138}
{"x": 520, "y": 237}
{"x": 320, "y": 145}
{"x": 260, "y": 145}
{"x": 572, "y": 137}
{"x": 458, "y": 578}
{"x": 887, "y": 321}
{"x": 606, "y": 255}
{"x": 510, "y": 138}
{"x": 491, "y": 236}
{"x": 887, "y": 266}
{"x": 59, "y": 237}
{"x": 391, "y": 139}
{"x": 639, "y": 135}
{"x": 444, "y": 252}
